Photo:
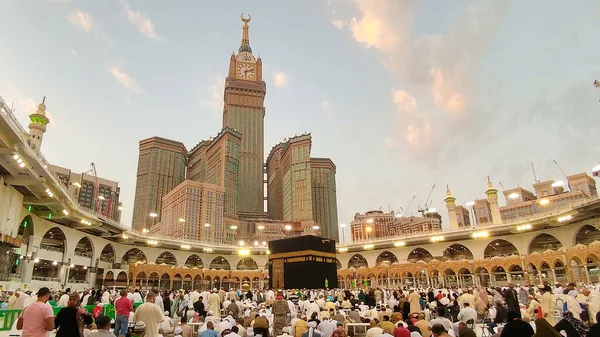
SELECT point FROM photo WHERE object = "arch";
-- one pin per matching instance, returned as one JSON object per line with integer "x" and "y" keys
{"x": 338, "y": 264}
{"x": 194, "y": 261}
{"x": 84, "y": 248}
{"x": 449, "y": 272}
{"x": 220, "y": 262}
{"x": 386, "y": 258}
{"x": 499, "y": 247}
{"x": 108, "y": 253}
{"x": 153, "y": 280}
{"x": 54, "y": 239}
{"x": 464, "y": 271}
{"x": 515, "y": 268}
{"x": 587, "y": 234}
{"x": 247, "y": 263}
{"x": 25, "y": 229}
{"x": 419, "y": 254}
{"x": 166, "y": 258}
{"x": 165, "y": 281}
{"x": 121, "y": 280}
{"x": 109, "y": 275}
{"x": 357, "y": 261}
{"x": 592, "y": 258}
{"x": 481, "y": 270}
{"x": 457, "y": 252}
{"x": 134, "y": 255}
{"x": 543, "y": 242}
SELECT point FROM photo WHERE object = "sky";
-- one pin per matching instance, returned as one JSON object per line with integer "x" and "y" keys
{"x": 400, "y": 94}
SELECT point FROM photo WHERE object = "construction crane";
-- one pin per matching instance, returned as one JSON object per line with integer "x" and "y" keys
{"x": 535, "y": 179}
{"x": 405, "y": 210}
{"x": 409, "y": 204}
{"x": 504, "y": 189}
{"x": 563, "y": 173}
{"x": 423, "y": 210}
{"x": 98, "y": 206}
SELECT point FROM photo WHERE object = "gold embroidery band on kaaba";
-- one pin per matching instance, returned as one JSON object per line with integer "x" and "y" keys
{"x": 301, "y": 253}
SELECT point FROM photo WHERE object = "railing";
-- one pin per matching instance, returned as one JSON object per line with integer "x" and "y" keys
{"x": 45, "y": 279}
{"x": 84, "y": 254}
{"x": 6, "y": 110}
{"x": 52, "y": 248}
{"x": 8, "y": 317}
{"x": 72, "y": 280}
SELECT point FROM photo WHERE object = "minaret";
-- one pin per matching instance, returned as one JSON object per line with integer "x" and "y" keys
{"x": 37, "y": 126}
{"x": 492, "y": 198}
{"x": 451, "y": 205}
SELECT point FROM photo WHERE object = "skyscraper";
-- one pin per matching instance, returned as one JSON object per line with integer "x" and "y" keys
{"x": 301, "y": 188}
{"x": 161, "y": 167}
{"x": 194, "y": 211}
{"x": 234, "y": 161}
{"x": 244, "y": 111}
{"x": 324, "y": 196}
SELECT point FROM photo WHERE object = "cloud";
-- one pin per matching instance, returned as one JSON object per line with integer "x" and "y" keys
{"x": 125, "y": 79}
{"x": 81, "y": 20}
{"x": 22, "y": 104}
{"x": 326, "y": 107}
{"x": 337, "y": 24}
{"x": 437, "y": 68}
{"x": 213, "y": 98}
{"x": 74, "y": 52}
{"x": 414, "y": 127}
{"x": 280, "y": 78}
{"x": 143, "y": 23}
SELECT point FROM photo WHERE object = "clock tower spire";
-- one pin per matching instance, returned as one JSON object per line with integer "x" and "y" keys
{"x": 245, "y": 46}
{"x": 244, "y": 111}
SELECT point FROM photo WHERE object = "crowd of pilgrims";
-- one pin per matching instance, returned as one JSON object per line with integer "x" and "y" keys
{"x": 521, "y": 311}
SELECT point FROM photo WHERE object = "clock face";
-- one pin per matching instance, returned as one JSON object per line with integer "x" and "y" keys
{"x": 245, "y": 71}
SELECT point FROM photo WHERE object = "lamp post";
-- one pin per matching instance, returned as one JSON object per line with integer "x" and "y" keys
{"x": 343, "y": 226}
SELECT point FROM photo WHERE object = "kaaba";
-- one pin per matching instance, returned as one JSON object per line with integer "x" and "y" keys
{"x": 303, "y": 262}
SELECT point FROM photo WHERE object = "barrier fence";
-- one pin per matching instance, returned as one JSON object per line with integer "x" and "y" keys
{"x": 9, "y": 317}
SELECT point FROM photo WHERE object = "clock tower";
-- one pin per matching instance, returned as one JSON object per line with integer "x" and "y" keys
{"x": 244, "y": 111}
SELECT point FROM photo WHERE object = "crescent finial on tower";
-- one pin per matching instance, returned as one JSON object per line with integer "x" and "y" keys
{"x": 245, "y": 46}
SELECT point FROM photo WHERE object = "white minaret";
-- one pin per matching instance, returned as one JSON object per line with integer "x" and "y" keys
{"x": 451, "y": 205}
{"x": 37, "y": 126}
{"x": 492, "y": 197}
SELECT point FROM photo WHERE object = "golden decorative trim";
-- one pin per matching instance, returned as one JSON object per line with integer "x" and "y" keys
{"x": 308, "y": 252}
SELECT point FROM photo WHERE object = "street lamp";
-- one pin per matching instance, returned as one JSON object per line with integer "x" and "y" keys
{"x": 342, "y": 226}
{"x": 153, "y": 215}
